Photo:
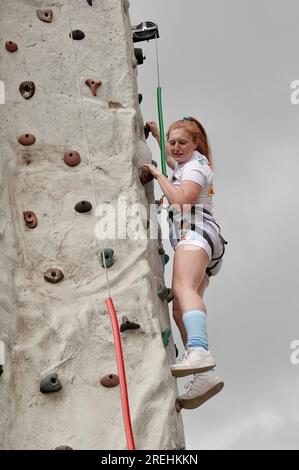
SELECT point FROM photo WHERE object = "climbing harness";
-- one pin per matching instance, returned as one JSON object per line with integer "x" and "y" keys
{"x": 108, "y": 300}
{"x": 202, "y": 232}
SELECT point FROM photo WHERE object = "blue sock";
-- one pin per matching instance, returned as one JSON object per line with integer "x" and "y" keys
{"x": 195, "y": 323}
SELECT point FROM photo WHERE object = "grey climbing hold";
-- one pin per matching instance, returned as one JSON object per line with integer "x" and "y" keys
{"x": 165, "y": 336}
{"x": 50, "y": 383}
{"x": 126, "y": 324}
{"x": 83, "y": 206}
{"x": 77, "y": 34}
{"x": 27, "y": 89}
{"x": 139, "y": 55}
{"x": 108, "y": 253}
{"x": 166, "y": 258}
{"x": 53, "y": 275}
{"x": 45, "y": 15}
{"x": 63, "y": 448}
{"x": 165, "y": 293}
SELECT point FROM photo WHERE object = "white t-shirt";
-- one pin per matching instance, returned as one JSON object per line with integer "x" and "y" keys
{"x": 195, "y": 169}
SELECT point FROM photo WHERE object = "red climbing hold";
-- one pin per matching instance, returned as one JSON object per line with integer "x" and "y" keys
{"x": 72, "y": 158}
{"x": 11, "y": 46}
{"x": 110, "y": 380}
{"x": 30, "y": 219}
{"x": 93, "y": 85}
{"x": 27, "y": 139}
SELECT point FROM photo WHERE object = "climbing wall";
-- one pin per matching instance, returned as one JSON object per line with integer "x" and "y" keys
{"x": 63, "y": 154}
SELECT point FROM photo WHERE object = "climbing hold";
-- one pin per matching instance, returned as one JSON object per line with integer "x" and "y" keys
{"x": 30, "y": 219}
{"x": 165, "y": 336}
{"x": 145, "y": 175}
{"x": 1, "y": 369}
{"x": 155, "y": 163}
{"x": 50, "y": 383}
{"x": 139, "y": 55}
{"x": 72, "y": 158}
{"x": 165, "y": 293}
{"x": 93, "y": 85}
{"x": 126, "y": 324}
{"x": 27, "y": 139}
{"x": 110, "y": 380}
{"x": 169, "y": 295}
{"x": 161, "y": 250}
{"x": 158, "y": 202}
{"x": 114, "y": 104}
{"x": 178, "y": 405}
{"x": 176, "y": 351}
{"x": 45, "y": 15}
{"x": 63, "y": 448}
{"x": 89, "y": 2}
{"x": 108, "y": 252}
{"x": 166, "y": 258}
{"x": 83, "y": 206}
{"x": 140, "y": 98}
{"x": 147, "y": 131}
{"x": 27, "y": 89}
{"x": 77, "y": 34}
{"x": 53, "y": 275}
{"x": 11, "y": 46}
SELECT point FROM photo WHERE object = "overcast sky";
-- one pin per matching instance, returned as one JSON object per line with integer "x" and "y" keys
{"x": 231, "y": 64}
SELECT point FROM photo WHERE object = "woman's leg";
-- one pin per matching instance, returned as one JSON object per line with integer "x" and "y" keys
{"x": 177, "y": 313}
{"x": 189, "y": 267}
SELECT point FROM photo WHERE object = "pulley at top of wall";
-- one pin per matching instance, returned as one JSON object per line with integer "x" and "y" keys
{"x": 145, "y": 31}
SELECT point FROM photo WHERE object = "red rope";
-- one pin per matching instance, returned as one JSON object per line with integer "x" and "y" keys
{"x": 122, "y": 375}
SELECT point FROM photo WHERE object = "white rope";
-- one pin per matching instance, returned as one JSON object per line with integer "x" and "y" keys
{"x": 87, "y": 145}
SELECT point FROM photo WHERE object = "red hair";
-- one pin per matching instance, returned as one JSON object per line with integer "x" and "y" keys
{"x": 197, "y": 132}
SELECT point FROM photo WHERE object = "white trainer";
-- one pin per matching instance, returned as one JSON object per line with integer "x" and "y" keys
{"x": 194, "y": 361}
{"x": 200, "y": 389}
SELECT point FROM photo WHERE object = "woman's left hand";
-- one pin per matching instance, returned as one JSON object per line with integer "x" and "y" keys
{"x": 154, "y": 171}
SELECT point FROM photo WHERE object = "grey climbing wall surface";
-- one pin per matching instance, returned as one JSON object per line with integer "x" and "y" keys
{"x": 59, "y": 384}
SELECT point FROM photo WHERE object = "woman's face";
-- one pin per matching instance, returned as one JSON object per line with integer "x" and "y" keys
{"x": 181, "y": 145}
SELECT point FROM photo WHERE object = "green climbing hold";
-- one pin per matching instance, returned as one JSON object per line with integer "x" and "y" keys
{"x": 165, "y": 293}
{"x": 165, "y": 336}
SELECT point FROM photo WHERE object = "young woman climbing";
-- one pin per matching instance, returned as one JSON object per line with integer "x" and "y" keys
{"x": 199, "y": 248}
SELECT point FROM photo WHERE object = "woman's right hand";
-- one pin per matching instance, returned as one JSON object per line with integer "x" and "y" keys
{"x": 154, "y": 129}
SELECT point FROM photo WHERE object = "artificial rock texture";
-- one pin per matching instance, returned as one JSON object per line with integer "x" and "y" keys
{"x": 64, "y": 327}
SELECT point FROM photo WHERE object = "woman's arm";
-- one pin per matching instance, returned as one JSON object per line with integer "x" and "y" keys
{"x": 187, "y": 193}
{"x": 155, "y": 133}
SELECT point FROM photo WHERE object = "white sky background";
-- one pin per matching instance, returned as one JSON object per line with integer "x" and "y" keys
{"x": 230, "y": 63}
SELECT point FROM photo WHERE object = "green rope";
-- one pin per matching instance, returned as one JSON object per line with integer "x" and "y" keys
{"x": 161, "y": 128}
